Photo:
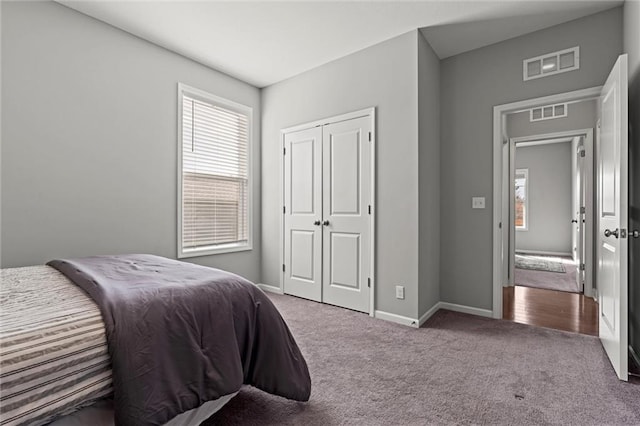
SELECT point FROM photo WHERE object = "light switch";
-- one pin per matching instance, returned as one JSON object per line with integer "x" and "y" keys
{"x": 477, "y": 203}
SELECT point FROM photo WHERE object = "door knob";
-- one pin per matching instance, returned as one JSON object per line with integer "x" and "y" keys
{"x": 574, "y": 221}
{"x": 325, "y": 223}
{"x": 317, "y": 223}
{"x": 635, "y": 233}
{"x": 608, "y": 233}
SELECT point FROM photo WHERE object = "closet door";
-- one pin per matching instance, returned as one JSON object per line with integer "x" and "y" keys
{"x": 346, "y": 221}
{"x": 303, "y": 213}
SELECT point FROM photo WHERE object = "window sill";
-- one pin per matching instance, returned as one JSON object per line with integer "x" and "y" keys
{"x": 229, "y": 248}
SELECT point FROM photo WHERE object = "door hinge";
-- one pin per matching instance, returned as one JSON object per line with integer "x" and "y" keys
{"x": 369, "y": 208}
{"x": 369, "y": 282}
{"x": 499, "y": 225}
{"x": 583, "y": 209}
{"x": 284, "y": 151}
{"x": 283, "y": 267}
{"x": 582, "y": 267}
{"x": 583, "y": 153}
{"x": 369, "y": 136}
{"x": 284, "y": 209}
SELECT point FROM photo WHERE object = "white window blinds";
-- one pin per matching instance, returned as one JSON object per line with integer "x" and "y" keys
{"x": 215, "y": 176}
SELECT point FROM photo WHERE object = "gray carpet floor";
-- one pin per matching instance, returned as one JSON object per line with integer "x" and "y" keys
{"x": 560, "y": 281}
{"x": 456, "y": 369}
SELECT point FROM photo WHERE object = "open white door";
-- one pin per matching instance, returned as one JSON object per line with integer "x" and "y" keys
{"x": 303, "y": 213}
{"x": 612, "y": 218}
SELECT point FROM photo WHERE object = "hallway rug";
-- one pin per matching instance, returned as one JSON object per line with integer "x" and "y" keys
{"x": 538, "y": 263}
{"x": 559, "y": 281}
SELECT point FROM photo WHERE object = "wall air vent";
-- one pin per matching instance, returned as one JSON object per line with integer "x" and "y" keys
{"x": 551, "y": 63}
{"x": 548, "y": 112}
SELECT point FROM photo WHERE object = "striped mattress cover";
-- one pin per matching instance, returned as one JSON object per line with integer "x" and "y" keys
{"x": 53, "y": 348}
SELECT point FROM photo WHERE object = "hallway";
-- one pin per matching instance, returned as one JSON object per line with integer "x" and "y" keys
{"x": 552, "y": 309}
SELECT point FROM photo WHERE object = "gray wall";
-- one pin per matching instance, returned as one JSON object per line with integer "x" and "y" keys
{"x": 550, "y": 197}
{"x": 632, "y": 47}
{"x": 89, "y": 139}
{"x": 429, "y": 175}
{"x": 472, "y": 84}
{"x": 383, "y": 76}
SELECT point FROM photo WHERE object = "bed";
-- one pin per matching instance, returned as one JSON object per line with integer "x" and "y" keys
{"x": 61, "y": 351}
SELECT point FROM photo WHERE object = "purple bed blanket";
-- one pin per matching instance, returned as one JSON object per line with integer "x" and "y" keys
{"x": 181, "y": 334}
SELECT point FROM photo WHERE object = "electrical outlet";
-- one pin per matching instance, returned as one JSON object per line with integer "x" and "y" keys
{"x": 399, "y": 292}
{"x": 477, "y": 202}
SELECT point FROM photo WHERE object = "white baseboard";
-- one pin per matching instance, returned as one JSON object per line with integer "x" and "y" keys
{"x": 270, "y": 288}
{"x": 398, "y": 319}
{"x": 410, "y": 322}
{"x": 416, "y": 323}
{"x": 428, "y": 314}
{"x": 466, "y": 309}
{"x": 544, "y": 253}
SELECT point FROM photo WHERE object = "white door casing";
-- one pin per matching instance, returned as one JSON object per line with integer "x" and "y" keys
{"x": 577, "y": 223}
{"x": 589, "y": 215}
{"x": 575, "y": 203}
{"x": 612, "y": 175}
{"x": 512, "y": 213}
{"x": 346, "y": 216}
{"x": 582, "y": 258}
{"x": 303, "y": 213}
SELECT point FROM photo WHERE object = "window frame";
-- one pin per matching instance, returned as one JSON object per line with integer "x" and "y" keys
{"x": 525, "y": 172}
{"x": 184, "y": 89}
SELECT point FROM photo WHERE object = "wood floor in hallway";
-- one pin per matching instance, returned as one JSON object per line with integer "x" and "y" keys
{"x": 549, "y": 308}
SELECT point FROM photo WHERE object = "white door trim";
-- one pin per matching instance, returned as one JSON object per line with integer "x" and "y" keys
{"x": 367, "y": 112}
{"x": 552, "y": 138}
{"x": 330, "y": 120}
{"x": 499, "y": 140}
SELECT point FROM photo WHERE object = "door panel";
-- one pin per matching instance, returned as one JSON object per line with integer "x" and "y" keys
{"x": 608, "y": 278}
{"x": 345, "y": 173}
{"x": 347, "y": 233}
{"x": 345, "y": 256}
{"x": 302, "y": 177}
{"x": 612, "y": 218}
{"x": 302, "y": 255}
{"x": 303, "y": 208}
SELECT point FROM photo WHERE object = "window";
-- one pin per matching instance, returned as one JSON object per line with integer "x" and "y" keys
{"x": 522, "y": 199}
{"x": 214, "y": 190}
{"x": 548, "y": 112}
{"x": 551, "y": 63}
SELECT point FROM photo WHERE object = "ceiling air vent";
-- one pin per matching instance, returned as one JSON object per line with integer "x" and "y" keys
{"x": 551, "y": 63}
{"x": 548, "y": 112}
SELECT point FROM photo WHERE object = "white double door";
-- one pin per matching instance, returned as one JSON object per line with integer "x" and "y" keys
{"x": 327, "y": 220}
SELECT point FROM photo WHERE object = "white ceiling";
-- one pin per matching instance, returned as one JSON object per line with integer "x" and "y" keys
{"x": 263, "y": 42}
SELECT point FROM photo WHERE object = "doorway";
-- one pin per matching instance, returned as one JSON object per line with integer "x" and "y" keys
{"x": 503, "y": 187}
{"x": 611, "y": 201}
{"x": 549, "y": 231}
{"x": 551, "y": 209}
